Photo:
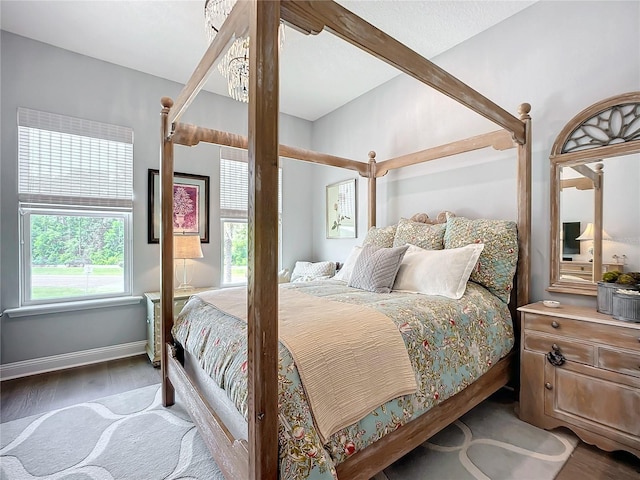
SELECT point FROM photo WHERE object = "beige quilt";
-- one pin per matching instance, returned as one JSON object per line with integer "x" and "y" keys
{"x": 351, "y": 358}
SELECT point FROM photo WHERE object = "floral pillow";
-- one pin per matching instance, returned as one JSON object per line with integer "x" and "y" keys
{"x": 380, "y": 236}
{"x": 429, "y": 237}
{"x": 499, "y": 258}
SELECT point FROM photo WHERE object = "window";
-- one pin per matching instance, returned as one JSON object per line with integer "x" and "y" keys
{"x": 75, "y": 192}
{"x": 234, "y": 190}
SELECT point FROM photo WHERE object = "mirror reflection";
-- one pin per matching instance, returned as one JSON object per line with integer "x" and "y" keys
{"x": 609, "y": 189}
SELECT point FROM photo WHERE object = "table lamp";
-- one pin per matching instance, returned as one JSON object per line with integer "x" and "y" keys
{"x": 588, "y": 234}
{"x": 186, "y": 247}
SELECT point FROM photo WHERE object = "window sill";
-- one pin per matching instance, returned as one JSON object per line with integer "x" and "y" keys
{"x": 48, "y": 308}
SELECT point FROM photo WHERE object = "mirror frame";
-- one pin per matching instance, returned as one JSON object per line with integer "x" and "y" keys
{"x": 570, "y": 150}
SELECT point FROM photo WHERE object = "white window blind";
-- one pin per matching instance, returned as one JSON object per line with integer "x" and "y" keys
{"x": 71, "y": 161}
{"x": 234, "y": 183}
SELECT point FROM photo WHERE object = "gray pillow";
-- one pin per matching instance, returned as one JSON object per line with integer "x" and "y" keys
{"x": 376, "y": 268}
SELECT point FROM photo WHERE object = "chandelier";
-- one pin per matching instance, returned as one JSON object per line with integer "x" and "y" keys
{"x": 234, "y": 65}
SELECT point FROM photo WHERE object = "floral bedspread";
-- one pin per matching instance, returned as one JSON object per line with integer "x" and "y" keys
{"x": 451, "y": 343}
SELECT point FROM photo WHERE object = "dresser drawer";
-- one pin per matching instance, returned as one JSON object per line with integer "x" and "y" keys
{"x": 570, "y": 267}
{"x": 619, "y": 361}
{"x": 570, "y": 349}
{"x": 614, "y": 335}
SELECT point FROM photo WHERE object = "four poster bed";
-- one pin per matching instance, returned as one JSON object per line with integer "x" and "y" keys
{"x": 260, "y": 425}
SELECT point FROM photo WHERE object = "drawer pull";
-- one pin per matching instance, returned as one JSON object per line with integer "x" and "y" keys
{"x": 556, "y": 358}
{"x": 555, "y": 324}
{"x": 548, "y": 386}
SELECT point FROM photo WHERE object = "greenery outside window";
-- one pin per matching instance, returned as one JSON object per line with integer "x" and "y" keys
{"x": 75, "y": 194}
{"x": 73, "y": 255}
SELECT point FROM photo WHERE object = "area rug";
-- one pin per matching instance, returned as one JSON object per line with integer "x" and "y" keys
{"x": 132, "y": 437}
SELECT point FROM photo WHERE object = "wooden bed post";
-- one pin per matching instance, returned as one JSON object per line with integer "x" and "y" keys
{"x": 524, "y": 208}
{"x": 598, "y": 190}
{"x": 262, "y": 284}
{"x": 372, "y": 189}
{"x": 166, "y": 247}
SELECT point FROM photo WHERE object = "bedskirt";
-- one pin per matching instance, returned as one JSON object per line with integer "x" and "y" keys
{"x": 451, "y": 343}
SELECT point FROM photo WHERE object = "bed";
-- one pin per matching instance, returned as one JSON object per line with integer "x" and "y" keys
{"x": 250, "y": 448}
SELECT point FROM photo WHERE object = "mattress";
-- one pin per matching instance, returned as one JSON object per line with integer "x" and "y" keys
{"x": 451, "y": 343}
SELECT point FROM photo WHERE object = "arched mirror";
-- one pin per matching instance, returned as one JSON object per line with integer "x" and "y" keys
{"x": 595, "y": 195}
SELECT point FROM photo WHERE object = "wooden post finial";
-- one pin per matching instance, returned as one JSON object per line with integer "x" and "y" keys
{"x": 166, "y": 102}
{"x": 524, "y": 110}
{"x": 372, "y": 155}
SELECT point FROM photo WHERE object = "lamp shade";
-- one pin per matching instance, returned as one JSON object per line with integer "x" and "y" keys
{"x": 589, "y": 233}
{"x": 187, "y": 246}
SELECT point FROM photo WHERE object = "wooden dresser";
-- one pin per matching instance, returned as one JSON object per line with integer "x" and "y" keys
{"x": 594, "y": 386}
{"x": 154, "y": 323}
{"x": 584, "y": 270}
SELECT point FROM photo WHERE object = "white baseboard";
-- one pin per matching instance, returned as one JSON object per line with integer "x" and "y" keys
{"x": 68, "y": 360}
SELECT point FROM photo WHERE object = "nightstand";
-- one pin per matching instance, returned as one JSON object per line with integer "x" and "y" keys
{"x": 154, "y": 323}
{"x": 580, "y": 369}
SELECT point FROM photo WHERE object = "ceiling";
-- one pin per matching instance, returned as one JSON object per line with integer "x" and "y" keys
{"x": 166, "y": 38}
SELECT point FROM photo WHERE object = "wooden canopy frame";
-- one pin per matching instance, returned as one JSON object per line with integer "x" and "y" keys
{"x": 258, "y": 458}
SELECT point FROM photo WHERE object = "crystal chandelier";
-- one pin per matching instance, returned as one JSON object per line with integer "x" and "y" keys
{"x": 234, "y": 65}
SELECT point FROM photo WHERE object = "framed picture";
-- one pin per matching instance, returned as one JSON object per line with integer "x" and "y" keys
{"x": 190, "y": 205}
{"x": 342, "y": 209}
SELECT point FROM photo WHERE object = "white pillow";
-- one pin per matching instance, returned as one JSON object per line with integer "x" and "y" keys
{"x": 437, "y": 272}
{"x": 284, "y": 276}
{"x": 308, "y": 271}
{"x": 345, "y": 272}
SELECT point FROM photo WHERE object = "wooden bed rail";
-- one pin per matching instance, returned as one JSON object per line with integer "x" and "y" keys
{"x": 523, "y": 179}
{"x": 190, "y": 135}
{"x": 312, "y": 17}
{"x": 235, "y": 26}
{"x": 499, "y": 139}
{"x": 232, "y": 454}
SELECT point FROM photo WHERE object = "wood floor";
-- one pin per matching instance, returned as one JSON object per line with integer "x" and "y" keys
{"x": 41, "y": 393}
{"x": 22, "y": 397}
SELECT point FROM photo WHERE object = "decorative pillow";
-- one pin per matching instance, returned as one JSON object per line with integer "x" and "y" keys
{"x": 437, "y": 272}
{"x": 429, "y": 237}
{"x": 380, "y": 236}
{"x": 376, "y": 268}
{"x": 284, "y": 276}
{"x": 308, "y": 271}
{"x": 498, "y": 261}
{"x": 345, "y": 272}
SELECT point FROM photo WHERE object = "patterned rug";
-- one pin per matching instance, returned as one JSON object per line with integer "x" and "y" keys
{"x": 131, "y": 436}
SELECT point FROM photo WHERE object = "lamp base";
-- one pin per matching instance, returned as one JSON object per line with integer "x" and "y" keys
{"x": 184, "y": 283}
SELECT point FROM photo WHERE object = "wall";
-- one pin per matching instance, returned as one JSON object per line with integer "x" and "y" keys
{"x": 558, "y": 56}
{"x": 43, "y": 77}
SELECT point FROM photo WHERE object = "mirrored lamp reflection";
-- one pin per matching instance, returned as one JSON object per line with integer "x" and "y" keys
{"x": 588, "y": 234}
{"x": 186, "y": 247}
